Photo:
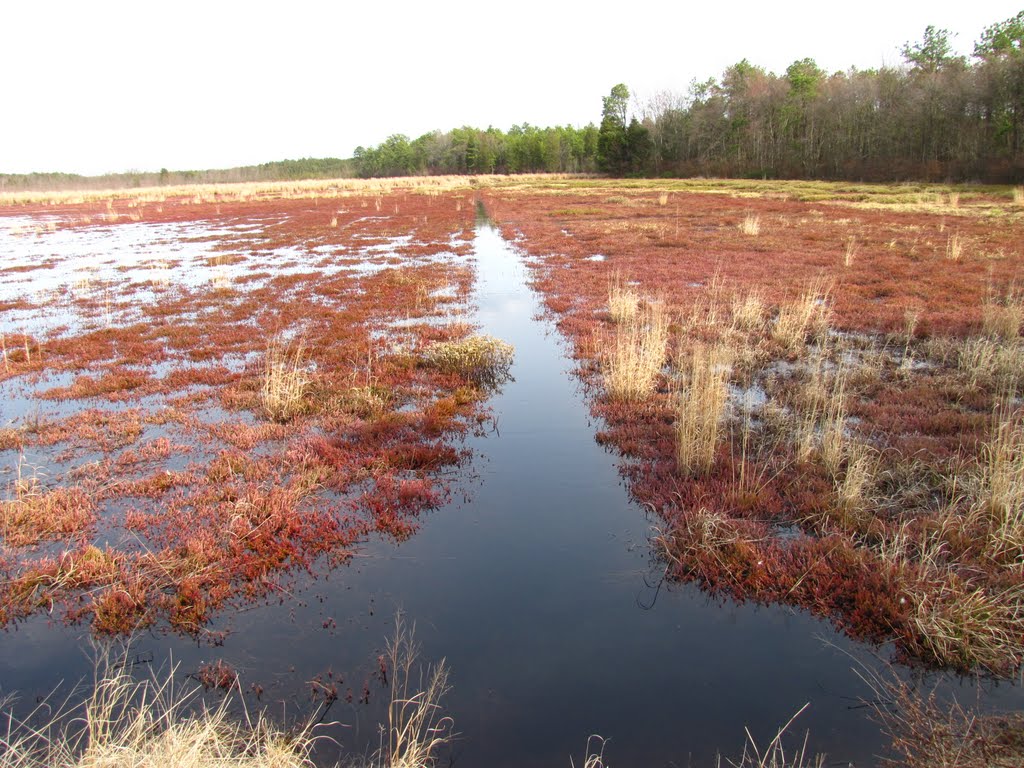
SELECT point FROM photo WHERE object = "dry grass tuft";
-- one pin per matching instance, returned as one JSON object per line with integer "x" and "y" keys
{"x": 623, "y": 301}
{"x": 700, "y": 407}
{"x": 285, "y": 380}
{"x": 805, "y": 317}
{"x": 822, "y": 425}
{"x": 857, "y": 478}
{"x": 417, "y": 729}
{"x": 751, "y": 224}
{"x": 483, "y": 360}
{"x": 633, "y": 364}
{"x": 748, "y": 311}
{"x": 991, "y": 362}
{"x": 954, "y": 247}
{"x": 127, "y": 724}
{"x": 850, "y": 252}
{"x": 1002, "y": 485}
{"x": 1003, "y": 316}
{"x": 1018, "y": 195}
{"x": 966, "y": 627}
{"x": 774, "y": 755}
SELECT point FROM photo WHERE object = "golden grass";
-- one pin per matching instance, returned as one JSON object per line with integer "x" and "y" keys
{"x": 635, "y": 361}
{"x": 751, "y": 225}
{"x": 774, "y": 755}
{"x": 954, "y": 247}
{"x": 242, "y": 191}
{"x": 803, "y": 318}
{"x": 928, "y": 731}
{"x": 964, "y": 626}
{"x": 623, "y": 301}
{"x": 821, "y": 425}
{"x": 1003, "y": 316}
{"x": 130, "y": 724}
{"x": 285, "y": 380}
{"x": 483, "y": 360}
{"x": 748, "y": 311}
{"x": 991, "y": 362}
{"x": 1002, "y": 485}
{"x": 1018, "y": 195}
{"x": 857, "y": 478}
{"x": 417, "y": 728}
{"x": 700, "y": 407}
{"x": 850, "y": 251}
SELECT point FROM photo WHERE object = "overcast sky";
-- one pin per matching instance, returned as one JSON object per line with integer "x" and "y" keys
{"x": 95, "y": 87}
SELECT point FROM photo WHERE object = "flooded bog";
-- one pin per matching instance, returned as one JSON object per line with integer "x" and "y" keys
{"x": 537, "y": 583}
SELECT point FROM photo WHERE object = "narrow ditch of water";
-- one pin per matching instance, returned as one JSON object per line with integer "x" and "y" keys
{"x": 544, "y": 597}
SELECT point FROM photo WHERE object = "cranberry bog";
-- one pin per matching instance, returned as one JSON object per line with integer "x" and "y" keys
{"x": 655, "y": 460}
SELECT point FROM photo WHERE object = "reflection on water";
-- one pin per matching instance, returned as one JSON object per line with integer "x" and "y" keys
{"x": 538, "y": 586}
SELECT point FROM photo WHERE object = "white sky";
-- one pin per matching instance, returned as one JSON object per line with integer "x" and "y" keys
{"x": 101, "y": 86}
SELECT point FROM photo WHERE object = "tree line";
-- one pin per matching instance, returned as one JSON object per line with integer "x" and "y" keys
{"x": 938, "y": 116}
{"x": 278, "y": 170}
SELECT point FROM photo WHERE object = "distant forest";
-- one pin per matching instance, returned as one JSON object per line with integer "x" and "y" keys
{"x": 280, "y": 170}
{"x": 937, "y": 117}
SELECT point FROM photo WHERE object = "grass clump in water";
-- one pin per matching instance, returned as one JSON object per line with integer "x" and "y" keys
{"x": 285, "y": 380}
{"x": 483, "y": 360}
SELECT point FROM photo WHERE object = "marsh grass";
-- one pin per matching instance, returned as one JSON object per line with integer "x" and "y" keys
{"x": 31, "y": 513}
{"x": 700, "y": 407}
{"x": 126, "y": 723}
{"x": 775, "y": 754}
{"x": 751, "y": 225}
{"x": 623, "y": 301}
{"x": 991, "y": 362}
{"x": 748, "y": 311}
{"x": 285, "y": 380}
{"x": 965, "y": 627}
{"x": 930, "y": 732}
{"x": 850, "y": 252}
{"x": 635, "y": 358}
{"x": 1002, "y": 485}
{"x": 483, "y": 360}
{"x": 417, "y": 727}
{"x": 821, "y": 413}
{"x": 805, "y": 317}
{"x": 1003, "y": 316}
{"x": 701, "y": 534}
{"x": 857, "y": 477}
{"x": 954, "y": 247}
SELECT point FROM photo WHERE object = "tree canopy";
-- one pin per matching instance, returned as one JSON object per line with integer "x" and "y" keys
{"x": 940, "y": 116}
